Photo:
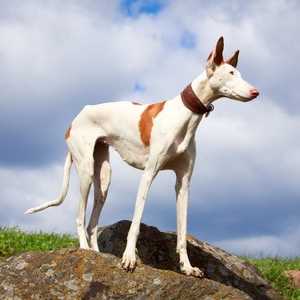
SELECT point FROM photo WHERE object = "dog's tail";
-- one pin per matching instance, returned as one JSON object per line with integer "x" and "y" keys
{"x": 65, "y": 186}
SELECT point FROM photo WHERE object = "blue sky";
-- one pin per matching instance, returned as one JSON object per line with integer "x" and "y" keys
{"x": 135, "y": 8}
{"x": 58, "y": 56}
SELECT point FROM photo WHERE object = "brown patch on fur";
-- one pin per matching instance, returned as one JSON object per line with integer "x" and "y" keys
{"x": 136, "y": 103}
{"x": 68, "y": 132}
{"x": 146, "y": 121}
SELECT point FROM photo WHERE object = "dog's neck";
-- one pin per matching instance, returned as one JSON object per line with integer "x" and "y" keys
{"x": 203, "y": 90}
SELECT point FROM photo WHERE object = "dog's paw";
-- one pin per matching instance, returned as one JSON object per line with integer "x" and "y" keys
{"x": 85, "y": 247}
{"x": 128, "y": 262}
{"x": 192, "y": 271}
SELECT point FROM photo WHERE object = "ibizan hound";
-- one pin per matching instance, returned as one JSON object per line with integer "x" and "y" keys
{"x": 151, "y": 137}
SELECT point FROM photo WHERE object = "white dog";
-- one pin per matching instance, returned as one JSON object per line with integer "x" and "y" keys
{"x": 151, "y": 137}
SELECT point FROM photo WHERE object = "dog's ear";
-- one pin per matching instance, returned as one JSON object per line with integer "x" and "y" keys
{"x": 233, "y": 60}
{"x": 216, "y": 56}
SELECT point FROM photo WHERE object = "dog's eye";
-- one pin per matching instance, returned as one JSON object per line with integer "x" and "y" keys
{"x": 231, "y": 72}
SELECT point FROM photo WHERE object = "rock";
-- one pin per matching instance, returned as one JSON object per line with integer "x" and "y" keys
{"x": 294, "y": 277}
{"x": 85, "y": 274}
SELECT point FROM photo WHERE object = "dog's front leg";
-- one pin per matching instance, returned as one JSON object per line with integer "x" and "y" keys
{"x": 183, "y": 176}
{"x": 129, "y": 257}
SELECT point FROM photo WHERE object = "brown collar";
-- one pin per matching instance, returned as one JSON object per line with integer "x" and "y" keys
{"x": 193, "y": 103}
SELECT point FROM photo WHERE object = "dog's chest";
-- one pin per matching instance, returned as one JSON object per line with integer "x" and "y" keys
{"x": 132, "y": 153}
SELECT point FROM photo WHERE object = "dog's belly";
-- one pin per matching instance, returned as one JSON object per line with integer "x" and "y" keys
{"x": 134, "y": 155}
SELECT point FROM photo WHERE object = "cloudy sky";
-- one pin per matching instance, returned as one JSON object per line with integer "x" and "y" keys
{"x": 57, "y": 56}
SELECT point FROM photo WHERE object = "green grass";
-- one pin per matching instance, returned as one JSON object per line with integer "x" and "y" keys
{"x": 14, "y": 241}
{"x": 273, "y": 268}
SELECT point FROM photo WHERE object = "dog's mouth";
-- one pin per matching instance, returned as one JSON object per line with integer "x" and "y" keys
{"x": 251, "y": 94}
{"x": 245, "y": 98}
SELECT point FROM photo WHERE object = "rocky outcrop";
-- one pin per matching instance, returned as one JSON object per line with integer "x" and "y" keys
{"x": 83, "y": 274}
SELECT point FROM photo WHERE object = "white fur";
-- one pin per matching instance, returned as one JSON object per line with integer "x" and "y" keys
{"x": 172, "y": 147}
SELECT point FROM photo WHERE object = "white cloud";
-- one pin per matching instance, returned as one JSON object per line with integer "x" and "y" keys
{"x": 286, "y": 244}
{"x": 253, "y": 142}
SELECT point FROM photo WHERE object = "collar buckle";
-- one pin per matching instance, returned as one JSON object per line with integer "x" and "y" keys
{"x": 210, "y": 108}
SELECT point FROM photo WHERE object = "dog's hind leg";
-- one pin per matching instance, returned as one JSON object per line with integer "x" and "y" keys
{"x": 85, "y": 178}
{"x": 102, "y": 177}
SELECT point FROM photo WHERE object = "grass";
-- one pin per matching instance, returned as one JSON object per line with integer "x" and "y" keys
{"x": 273, "y": 268}
{"x": 14, "y": 241}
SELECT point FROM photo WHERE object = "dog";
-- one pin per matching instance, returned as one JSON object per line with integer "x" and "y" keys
{"x": 150, "y": 137}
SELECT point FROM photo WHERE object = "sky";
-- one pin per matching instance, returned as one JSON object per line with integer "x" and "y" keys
{"x": 57, "y": 56}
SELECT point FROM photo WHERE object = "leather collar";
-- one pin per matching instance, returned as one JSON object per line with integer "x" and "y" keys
{"x": 193, "y": 103}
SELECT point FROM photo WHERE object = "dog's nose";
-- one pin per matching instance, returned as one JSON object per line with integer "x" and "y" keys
{"x": 254, "y": 93}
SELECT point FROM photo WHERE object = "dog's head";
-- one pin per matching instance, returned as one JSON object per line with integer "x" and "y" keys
{"x": 223, "y": 77}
